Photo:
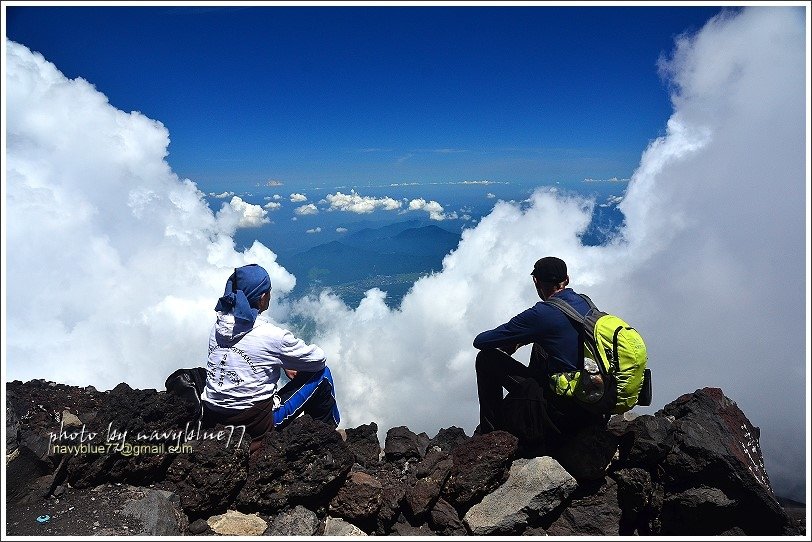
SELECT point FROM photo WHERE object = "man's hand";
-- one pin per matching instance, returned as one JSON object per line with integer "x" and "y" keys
{"x": 291, "y": 373}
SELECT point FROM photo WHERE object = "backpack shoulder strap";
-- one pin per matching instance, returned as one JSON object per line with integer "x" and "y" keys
{"x": 566, "y": 308}
{"x": 588, "y": 301}
{"x": 586, "y": 339}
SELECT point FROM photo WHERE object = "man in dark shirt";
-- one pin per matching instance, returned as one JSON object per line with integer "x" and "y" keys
{"x": 556, "y": 348}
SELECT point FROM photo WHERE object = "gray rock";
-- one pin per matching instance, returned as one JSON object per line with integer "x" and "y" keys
{"x": 423, "y": 443}
{"x": 158, "y": 511}
{"x": 296, "y": 522}
{"x": 534, "y": 487}
{"x": 27, "y": 476}
{"x": 644, "y": 440}
{"x": 339, "y": 527}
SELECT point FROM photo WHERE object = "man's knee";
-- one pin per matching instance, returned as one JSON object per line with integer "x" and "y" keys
{"x": 487, "y": 359}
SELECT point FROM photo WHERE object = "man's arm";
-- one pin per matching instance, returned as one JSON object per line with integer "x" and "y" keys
{"x": 296, "y": 355}
{"x": 519, "y": 331}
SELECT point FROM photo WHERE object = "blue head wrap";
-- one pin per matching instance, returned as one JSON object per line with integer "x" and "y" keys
{"x": 244, "y": 286}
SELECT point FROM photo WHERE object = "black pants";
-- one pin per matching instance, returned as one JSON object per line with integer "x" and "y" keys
{"x": 496, "y": 370}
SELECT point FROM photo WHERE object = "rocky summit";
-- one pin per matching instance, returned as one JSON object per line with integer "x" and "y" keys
{"x": 132, "y": 462}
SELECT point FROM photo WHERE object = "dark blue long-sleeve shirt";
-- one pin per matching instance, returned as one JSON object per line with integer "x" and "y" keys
{"x": 545, "y": 325}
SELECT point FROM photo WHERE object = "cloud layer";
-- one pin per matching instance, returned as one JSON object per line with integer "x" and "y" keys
{"x": 117, "y": 262}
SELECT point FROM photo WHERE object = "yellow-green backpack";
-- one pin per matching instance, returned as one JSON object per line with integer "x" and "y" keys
{"x": 620, "y": 379}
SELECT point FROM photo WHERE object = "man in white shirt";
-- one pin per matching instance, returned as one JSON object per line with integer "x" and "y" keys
{"x": 246, "y": 357}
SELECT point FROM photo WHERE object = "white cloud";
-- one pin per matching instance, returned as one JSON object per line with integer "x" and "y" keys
{"x": 240, "y": 214}
{"x": 355, "y": 203}
{"x": 223, "y": 195}
{"x": 611, "y": 180}
{"x": 434, "y": 209}
{"x": 710, "y": 265}
{"x": 341, "y": 230}
{"x": 308, "y": 209}
{"x": 314, "y": 230}
{"x": 297, "y": 198}
{"x": 490, "y": 195}
{"x": 272, "y": 205}
{"x": 611, "y": 200}
{"x": 273, "y": 182}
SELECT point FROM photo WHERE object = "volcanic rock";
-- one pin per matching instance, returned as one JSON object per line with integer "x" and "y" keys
{"x": 534, "y": 488}
{"x": 305, "y": 463}
{"x": 479, "y": 466}
{"x": 364, "y": 444}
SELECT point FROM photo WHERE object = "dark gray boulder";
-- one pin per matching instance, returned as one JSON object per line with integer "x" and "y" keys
{"x": 298, "y": 521}
{"x": 394, "y": 484}
{"x": 208, "y": 479}
{"x": 143, "y": 419}
{"x": 305, "y": 463}
{"x": 698, "y": 448}
{"x": 586, "y": 454}
{"x": 479, "y": 466}
{"x": 444, "y": 520}
{"x": 364, "y": 444}
{"x": 431, "y": 475}
{"x": 698, "y": 511}
{"x": 448, "y": 438}
{"x": 159, "y": 513}
{"x": 593, "y": 511}
{"x": 359, "y": 499}
{"x": 402, "y": 445}
{"x": 640, "y": 500}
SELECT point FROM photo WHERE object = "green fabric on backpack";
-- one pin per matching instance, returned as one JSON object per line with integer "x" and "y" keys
{"x": 621, "y": 358}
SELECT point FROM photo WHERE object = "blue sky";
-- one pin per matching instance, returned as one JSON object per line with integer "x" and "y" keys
{"x": 331, "y": 95}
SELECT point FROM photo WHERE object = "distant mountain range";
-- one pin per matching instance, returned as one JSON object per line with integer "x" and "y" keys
{"x": 391, "y": 257}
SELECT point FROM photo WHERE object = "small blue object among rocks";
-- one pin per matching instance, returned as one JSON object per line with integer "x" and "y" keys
{"x": 43, "y": 519}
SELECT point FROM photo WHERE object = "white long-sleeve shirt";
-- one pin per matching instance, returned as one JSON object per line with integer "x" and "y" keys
{"x": 244, "y": 368}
